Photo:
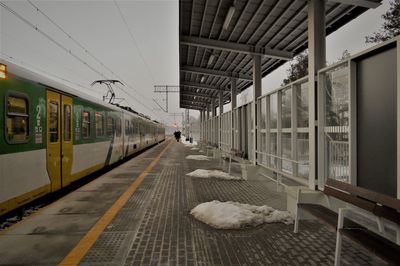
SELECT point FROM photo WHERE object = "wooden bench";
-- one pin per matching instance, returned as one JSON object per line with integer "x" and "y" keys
{"x": 383, "y": 208}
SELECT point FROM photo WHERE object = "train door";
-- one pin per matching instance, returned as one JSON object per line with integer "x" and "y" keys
{"x": 59, "y": 143}
{"x": 66, "y": 144}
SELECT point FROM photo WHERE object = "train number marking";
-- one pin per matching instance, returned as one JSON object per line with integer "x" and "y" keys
{"x": 38, "y": 127}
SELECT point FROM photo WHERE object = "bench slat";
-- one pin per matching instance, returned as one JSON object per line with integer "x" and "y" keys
{"x": 388, "y": 213}
{"x": 361, "y": 203}
{"x": 365, "y": 193}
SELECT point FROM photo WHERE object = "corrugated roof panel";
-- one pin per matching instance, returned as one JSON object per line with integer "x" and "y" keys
{"x": 277, "y": 24}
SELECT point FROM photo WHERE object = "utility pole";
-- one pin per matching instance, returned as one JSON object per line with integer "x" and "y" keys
{"x": 165, "y": 89}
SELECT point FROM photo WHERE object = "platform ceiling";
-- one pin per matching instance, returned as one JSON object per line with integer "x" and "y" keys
{"x": 277, "y": 29}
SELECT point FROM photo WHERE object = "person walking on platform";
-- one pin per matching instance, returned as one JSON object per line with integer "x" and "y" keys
{"x": 177, "y": 135}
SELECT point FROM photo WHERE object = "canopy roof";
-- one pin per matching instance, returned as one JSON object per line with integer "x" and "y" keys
{"x": 219, "y": 38}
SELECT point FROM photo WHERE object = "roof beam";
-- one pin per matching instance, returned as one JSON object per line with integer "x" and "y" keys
{"x": 202, "y": 86}
{"x": 236, "y": 47}
{"x": 194, "y": 102}
{"x": 218, "y": 73}
{"x": 362, "y": 3}
{"x": 196, "y": 94}
{"x": 192, "y": 107}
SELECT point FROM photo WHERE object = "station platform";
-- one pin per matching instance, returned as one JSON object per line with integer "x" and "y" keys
{"x": 139, "y": 214}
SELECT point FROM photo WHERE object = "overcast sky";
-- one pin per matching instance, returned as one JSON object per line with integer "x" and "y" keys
{"x": 143, "y": 52}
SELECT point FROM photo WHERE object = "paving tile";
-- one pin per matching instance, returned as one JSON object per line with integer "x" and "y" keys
{"x": 155, "y": 226}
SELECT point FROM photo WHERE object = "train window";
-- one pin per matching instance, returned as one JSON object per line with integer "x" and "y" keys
{"x": 127, "y": 127}
{"x": 17, "y": 119}
{"x": 99, "y": 124}
{"x": 67, "y": 122}
{"x": 118, "y": 127}
{"x": 85, "y": 124}
{"x": 110, "y": 126}
{"x": 53, "y": 121}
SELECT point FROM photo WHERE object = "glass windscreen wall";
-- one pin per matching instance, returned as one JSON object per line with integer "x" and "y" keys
{"x": 282, "y": 138}
{"x": 236, "y": 126}
{"x": 226, "y": 131}
{"x": 334, "y": 131}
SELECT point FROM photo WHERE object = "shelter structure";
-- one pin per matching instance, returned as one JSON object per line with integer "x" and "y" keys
{"x": 311, "y": 129}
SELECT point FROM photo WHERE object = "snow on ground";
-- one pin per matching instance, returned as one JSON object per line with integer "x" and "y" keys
{"x": 187, "y": 143}
{"x": 195, "y": 149}
{"x": 12, "y": 220}
{"x": 234, "y": 215}
{"x": 213, "y": 173}
{"x": 198, "y": 157}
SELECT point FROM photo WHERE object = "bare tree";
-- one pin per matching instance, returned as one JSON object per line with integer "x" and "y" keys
{"x": 298, "y": 68}
{"x": 391, "y": 24}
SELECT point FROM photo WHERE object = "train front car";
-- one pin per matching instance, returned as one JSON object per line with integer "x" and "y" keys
{"x": 23, "y": 171}
{"x": 54, "y": 135}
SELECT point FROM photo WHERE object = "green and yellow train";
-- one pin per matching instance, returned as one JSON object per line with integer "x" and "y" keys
{"x": 52, "y": 135}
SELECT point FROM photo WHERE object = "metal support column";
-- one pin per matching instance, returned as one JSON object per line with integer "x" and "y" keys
{"x": 256, "y": 93}
{"x": 316, "y": 61}
{"x": 201, "y": 126}
{"x": 233, "y": 106}
{"x": 207, "y": 135}
{"x": 213, "y": 114}
{"x": 221, "y": 102}
{"x": 221, "y": 110}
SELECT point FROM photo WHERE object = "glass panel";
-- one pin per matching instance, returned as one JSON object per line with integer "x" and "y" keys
{"x": 99, "y": 124}
{"x": 85, "y": 124}
{"x": 263, "y": 113}
{"x": 273, "y": 149}
{"x": 273, "y": 110}
{"x": 67, "y": 122}
{"x": 263, "y": 148}
{"x": 53, "y": 119}
{"x": 286, "y": 108}
{"x": 287, "y": 166}
{"x": 110, "y": 126}
{"x": 302, "y": 105}
{"x": 336, "y": 85}
{"x": 17, "y": 128}
{"x": 17, "y": 119}
{"x": 303, "y": 154}
{"x": 17, "y": 105}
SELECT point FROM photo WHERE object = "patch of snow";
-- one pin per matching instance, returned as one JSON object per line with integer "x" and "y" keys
{"x": 26, "y": 212}
{"x": 213, "y": 173}
{"x": 195, "y": 149}
{"x": 234, "y": 215}
{"x": 198, "y": 157}
{"x": 10, "y": 221}
{"x": 187, "y": 143}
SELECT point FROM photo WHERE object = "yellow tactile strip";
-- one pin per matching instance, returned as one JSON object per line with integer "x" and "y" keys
{"x": 84, "y": 245}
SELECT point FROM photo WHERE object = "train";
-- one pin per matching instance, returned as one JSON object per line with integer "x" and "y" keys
{"x": 52, "y": 135}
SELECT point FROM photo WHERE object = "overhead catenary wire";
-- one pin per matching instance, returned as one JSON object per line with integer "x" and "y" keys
{"x": 88, "y": 52}
{"x": 68, "y": 51}
{"x": 21, "y": 62}
{"x": 134, "y": 40}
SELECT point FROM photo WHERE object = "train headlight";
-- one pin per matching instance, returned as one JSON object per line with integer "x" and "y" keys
{"x": 3, "y": 71}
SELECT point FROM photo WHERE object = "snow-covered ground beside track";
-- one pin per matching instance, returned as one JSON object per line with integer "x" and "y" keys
{"x": 202, "y": 173}
{"x": 234, "y": 215}
{"x": 198, "y": 157}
